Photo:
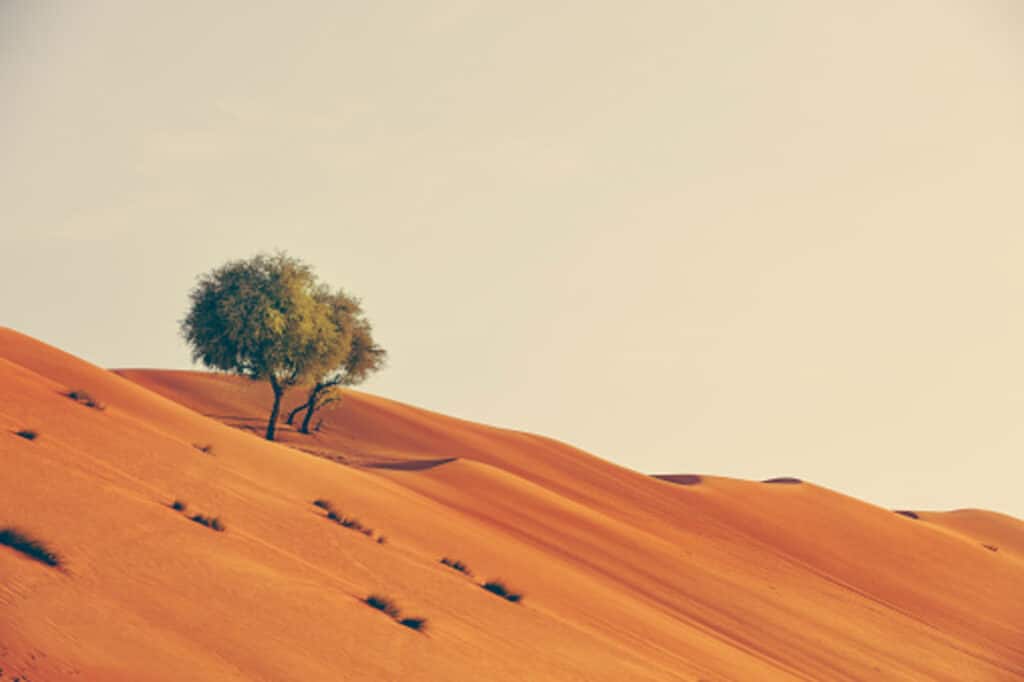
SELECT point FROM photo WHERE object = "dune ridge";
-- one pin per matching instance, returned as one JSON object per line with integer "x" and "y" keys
{"x": 625, "y": 576}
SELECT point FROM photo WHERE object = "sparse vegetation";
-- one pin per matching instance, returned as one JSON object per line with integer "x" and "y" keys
{"x": 382, "y": 539}
{"x": 418, "y": 624}
{"x": 908, "y": 514}
{"x": 29, "y": 546}
{"x": 28, "y": 434}
{"x": 206, "y": 448}
{"x": 345, "y": 521}
{"x": 385, "y": 604}
{"x": 84, "y": 398}
{"x": 499, "y": 588}
{"x": 388, "y": 606}
{"x": 351, "y": 522}
{"x": 457, "y": 565}
{"x": 991, "y": 548}
{"x": 213, "y": 522}
{"x": 179, "y": 505}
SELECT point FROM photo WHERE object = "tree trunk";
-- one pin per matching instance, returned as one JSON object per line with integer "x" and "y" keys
{"x": 274, "y": 411}
{"x": 295, "y": 412}
{"x": 305, "y": 420}
{"x": 310, "y": 408}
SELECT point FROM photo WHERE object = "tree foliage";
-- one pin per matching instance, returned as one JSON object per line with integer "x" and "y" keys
{"x": 266, "y": 318}
{"x": 364, "y": 356}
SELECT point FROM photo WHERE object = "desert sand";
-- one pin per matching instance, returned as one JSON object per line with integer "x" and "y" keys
{"x": 624, "y": 576}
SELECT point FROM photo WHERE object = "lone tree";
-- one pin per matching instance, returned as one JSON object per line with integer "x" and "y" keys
{"x": 265, "y": 318}
{"x": 363, "y": 359}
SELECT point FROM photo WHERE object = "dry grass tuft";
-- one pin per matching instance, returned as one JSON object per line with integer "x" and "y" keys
{"x": 29, "y": 546}
{"x": 499, "y": 588}
{"x": 84, "y": 398}
{"x": 213, "y": 522}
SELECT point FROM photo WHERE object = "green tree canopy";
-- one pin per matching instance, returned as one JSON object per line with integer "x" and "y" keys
{"x": 364, "y": 356}
{"x": 265, "y": 317}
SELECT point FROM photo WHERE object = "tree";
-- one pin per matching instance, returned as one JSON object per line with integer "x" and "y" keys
{"x": 363, "y": 359}
{"x": 264, "y": 318}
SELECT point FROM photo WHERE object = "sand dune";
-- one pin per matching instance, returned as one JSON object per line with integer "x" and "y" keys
{"x": 995, "y": 532}
{"x": 625, "y": 576}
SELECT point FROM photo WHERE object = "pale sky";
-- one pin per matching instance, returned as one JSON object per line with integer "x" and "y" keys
{"x": 750, "y": 239}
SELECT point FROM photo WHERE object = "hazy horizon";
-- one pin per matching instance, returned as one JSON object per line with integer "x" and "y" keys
{"x": 749, "y": 240}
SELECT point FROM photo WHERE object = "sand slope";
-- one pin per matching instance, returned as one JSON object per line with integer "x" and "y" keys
{"x": 626, "y": 577}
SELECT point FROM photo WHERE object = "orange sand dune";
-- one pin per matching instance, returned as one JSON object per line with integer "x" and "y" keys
{"x": 625, "y": 577}
{"x": 996, "y": 532}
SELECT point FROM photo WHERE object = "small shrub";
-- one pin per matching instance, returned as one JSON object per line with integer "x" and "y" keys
{"x": 213, "y": 522}
{"x": 347, "y": 521}
{"x": 204, "y": 448}
{"x": 83, "y": 397}
{"x": 29, "y": 546}
{"x": 908, "y": 514}
{"x": 179, "y": 505}
{"x": 28, "y": 434}
{"x": 385, "y": 604}
{"x": 457, "y": 565}
{"x": 382, "y": 540}
{"x": 499, "y": 588}
{"x": 991, "y": 548}
{"x": 418, "y": 624}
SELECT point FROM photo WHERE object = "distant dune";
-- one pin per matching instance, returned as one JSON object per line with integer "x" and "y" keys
{"x": 623, "y": 576}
